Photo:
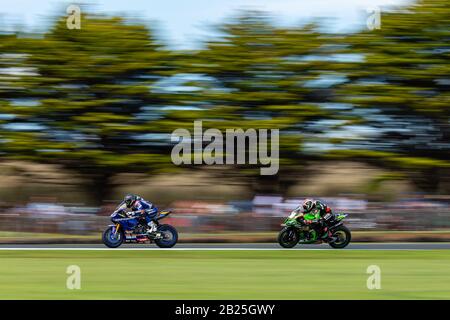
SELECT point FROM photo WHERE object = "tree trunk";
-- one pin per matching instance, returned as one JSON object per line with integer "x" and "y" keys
{"x": 100, "y": 187}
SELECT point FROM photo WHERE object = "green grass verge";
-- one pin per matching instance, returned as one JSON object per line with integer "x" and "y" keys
{"x": 225, "y": 274}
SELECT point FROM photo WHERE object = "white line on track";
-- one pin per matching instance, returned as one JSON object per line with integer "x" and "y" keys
{"x": 154, "y": 249}
{"x": 202, "y": 249}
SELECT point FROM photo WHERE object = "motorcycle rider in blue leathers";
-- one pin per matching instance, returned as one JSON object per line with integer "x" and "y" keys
{"x": 140, "y": 208}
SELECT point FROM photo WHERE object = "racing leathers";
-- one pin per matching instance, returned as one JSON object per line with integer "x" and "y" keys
{"x": 142, "y": 210}
{"x": 314, "y": 216}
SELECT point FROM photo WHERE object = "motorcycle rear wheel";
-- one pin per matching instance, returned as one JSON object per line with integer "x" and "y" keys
{"x": 170, "y": 236}
{"x": 288, "y": 237}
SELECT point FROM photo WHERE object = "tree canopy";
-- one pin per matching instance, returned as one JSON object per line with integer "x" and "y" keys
{"x": 104, "y": 99}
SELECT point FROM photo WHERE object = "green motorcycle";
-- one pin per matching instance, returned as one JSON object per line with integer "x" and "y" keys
{"x": 305, "y": 229}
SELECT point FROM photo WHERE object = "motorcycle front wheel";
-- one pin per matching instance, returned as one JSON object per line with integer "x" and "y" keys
{"x": 170, "y": 236}
{"x": 112, "y": 239}
{"x": 288, "y": 237}
{"x": 343, "y": 236}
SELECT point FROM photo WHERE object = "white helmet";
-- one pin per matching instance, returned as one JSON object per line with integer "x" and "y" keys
{"x": 307, "y": 205}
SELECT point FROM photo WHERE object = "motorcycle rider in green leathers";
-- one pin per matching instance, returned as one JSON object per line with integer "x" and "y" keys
{"x": 313, "y": 212}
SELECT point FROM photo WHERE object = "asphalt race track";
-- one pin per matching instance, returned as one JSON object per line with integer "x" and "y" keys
{"x": 233, "y": 246}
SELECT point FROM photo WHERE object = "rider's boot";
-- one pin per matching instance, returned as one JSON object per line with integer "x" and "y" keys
{"x": 152, "y": 227}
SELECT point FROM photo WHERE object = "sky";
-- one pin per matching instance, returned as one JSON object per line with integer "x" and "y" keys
{"x": 184, "y": 24}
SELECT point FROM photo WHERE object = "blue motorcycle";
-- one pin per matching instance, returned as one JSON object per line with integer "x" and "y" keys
{"x": 134, "y": 229}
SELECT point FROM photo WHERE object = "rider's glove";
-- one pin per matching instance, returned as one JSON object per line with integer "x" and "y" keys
{"x": 130, "y": 214}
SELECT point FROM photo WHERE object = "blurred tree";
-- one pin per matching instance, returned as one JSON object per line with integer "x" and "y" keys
{"x": 103, "y": 100}
{"x": 81, "y": 98}
{"x": 261, "y": 76}
{"x": 402, "y": 89}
